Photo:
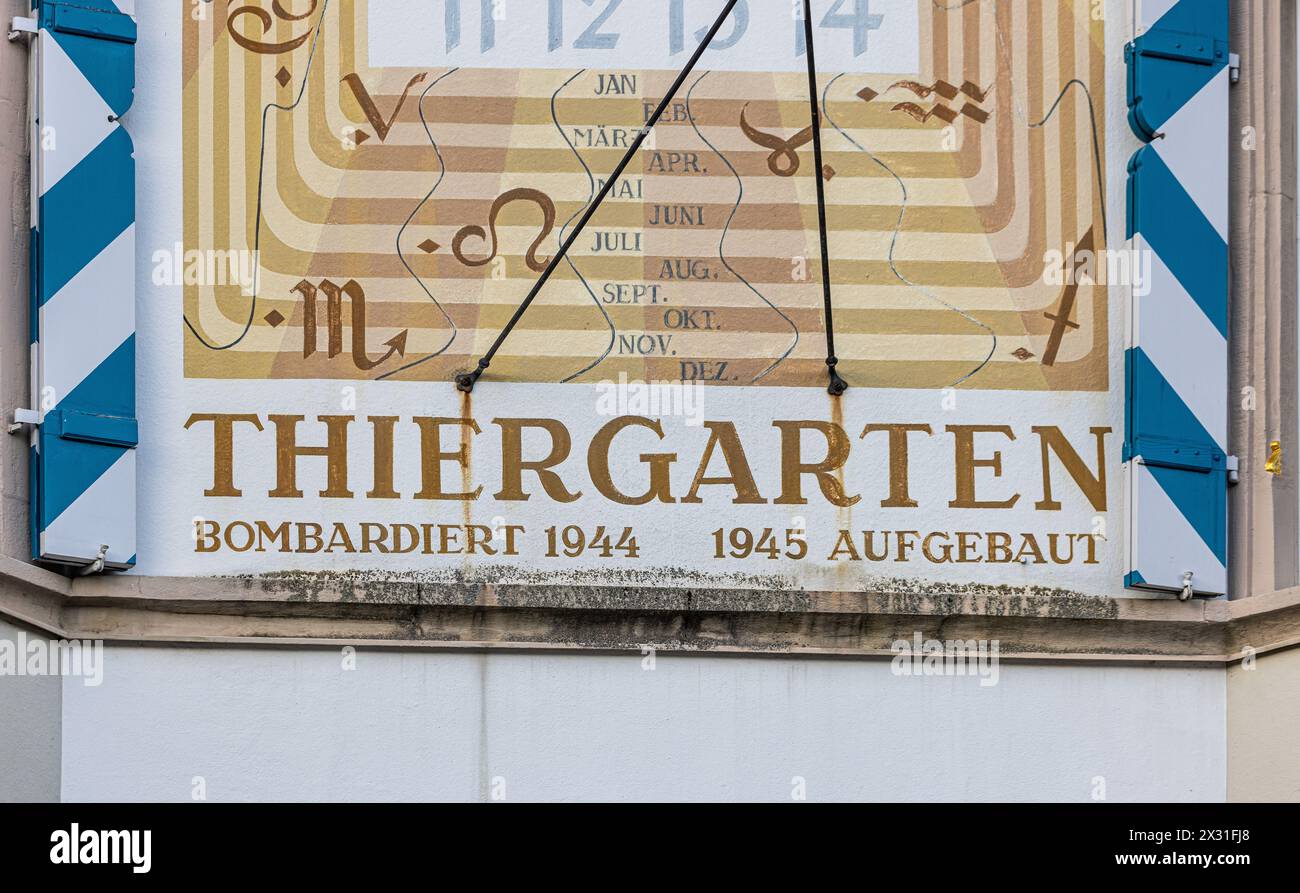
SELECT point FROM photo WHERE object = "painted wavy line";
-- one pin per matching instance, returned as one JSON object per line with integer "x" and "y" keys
{"x": 898, "y": 229}
{"x": 442, "y": 174}
{"x": 1096, "y": 141}
{"x": 726, "y": 230}
{"x": 591, "y": 194}
{"x": 261, "y": 180}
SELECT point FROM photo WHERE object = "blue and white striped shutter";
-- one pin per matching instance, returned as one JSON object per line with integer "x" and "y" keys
{"x": 1177, "y": 363}
{"x": 83, "y": 283}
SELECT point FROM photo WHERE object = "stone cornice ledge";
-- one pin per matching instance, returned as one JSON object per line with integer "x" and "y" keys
{"x": 33, "y": 595}
{"x": 344, "y": 609}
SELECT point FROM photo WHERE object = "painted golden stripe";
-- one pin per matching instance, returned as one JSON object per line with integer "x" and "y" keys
{"x": 332, "y": 206}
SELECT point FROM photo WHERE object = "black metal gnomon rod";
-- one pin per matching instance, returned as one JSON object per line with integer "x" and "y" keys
{"x": 465, "y": 381}
{"x": 837, "y": 385}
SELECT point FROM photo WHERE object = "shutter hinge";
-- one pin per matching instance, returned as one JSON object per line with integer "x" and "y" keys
{"x": 1234, "y": 68}
{"x": 96, "y": 566}
{"x": 1166, "y": 68}
{"x": 1182, "y": 456}
{"x": 22, "y": 29}
{"x": 23, "y": 418}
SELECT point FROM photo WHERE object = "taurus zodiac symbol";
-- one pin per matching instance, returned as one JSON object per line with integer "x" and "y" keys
{"x": 784, "y": 160}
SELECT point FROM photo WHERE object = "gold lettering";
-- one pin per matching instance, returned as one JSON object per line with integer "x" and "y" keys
{"x": 223, "y": 449}
{"x": 310, "y": 539}
{"x": 383, "y": 488}
{"x": 793, "y": 468}
{"x": 739, "y": 476}
{"x": 1028, "y": 548}
{"x": 869, "y": 542}
{"x": 374, "y": 537}
{"x": 899, "y": 497}
{"x": 905, "y": 539}
{"x": 967, "y": 464}
{"x": 1093, "y": 486}
{"x": 287, "y": 452}
{"x": 414, "y": 542}
{"x": 513, "y": 465}
{"x": 480, "y": 539}
{"x": 208, "y": 540}
{"x": 340, "y": 539}
{"x": 279, "y": 536}
{"x": 967, "y": 543}
{"x": 660, "y": 464}
{"x": 944, "y": 556}
{"x": 432, "y": 457}
{"x": 1053, "y": 539}
{"x": 844, "y": 546}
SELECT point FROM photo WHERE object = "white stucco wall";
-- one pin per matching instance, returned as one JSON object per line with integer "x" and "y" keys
{"x": 30, "y": 708}
{"x": 291, "y": 724}
{"x": 1264, "y": 728}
